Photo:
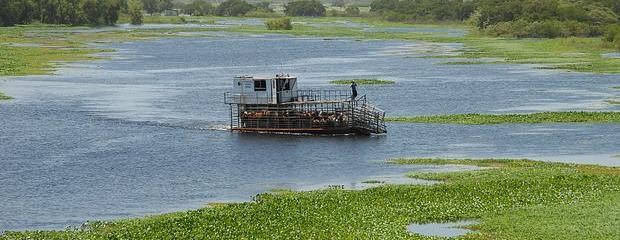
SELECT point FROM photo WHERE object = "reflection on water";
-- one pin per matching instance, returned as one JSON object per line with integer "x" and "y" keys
{"x": 139, "y": 134}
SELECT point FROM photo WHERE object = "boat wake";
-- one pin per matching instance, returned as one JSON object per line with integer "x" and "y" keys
{"x": 189, "y": 124}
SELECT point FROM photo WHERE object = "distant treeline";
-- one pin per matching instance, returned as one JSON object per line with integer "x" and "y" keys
{"x": 519, "y": 18}
{"x": 423, "y": 10}
{"x": 106, "y": 12}
{"x": 94, "y": 12}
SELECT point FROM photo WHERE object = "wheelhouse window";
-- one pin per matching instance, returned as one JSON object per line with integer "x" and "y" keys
{"x": 260, "y": 85}
{"x": 285, "y": 84}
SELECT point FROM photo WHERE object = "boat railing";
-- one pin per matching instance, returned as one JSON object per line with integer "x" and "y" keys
{"x": 246, "y": 98}
{"x": 366, "y": 117}
{"x": 325, "y": 95}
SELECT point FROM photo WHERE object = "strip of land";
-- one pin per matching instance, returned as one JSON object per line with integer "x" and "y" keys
{"x": 35, "y": 49}
{"x": 543, "y": 117}
{"x": 512, "y": 199}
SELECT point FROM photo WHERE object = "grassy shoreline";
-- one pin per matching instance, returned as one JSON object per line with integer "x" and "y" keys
{"x": 511, "y": 198}
{"x": 571, "y": 54}
{"x": 543, "y": 117}
{"x": 32, "y": 49}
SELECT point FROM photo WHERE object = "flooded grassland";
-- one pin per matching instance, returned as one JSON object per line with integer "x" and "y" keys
{"x": 140, "y": 129}
{"x": 508, "y": 199}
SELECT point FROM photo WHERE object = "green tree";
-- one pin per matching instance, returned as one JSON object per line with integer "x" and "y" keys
{"x": 612, "y": 35}
{"x": 352, "y": 10}
{"x": 134, "y": 9}
{"x": 264, "y": 6}
{"x": 70, "y": 12}
{"x": 338, "y": 3}
{"x": 164, "y": 5}
{"x": 92, "y": 11}
{"x": 111, "y": 13}
{"x": 312, "y": 8}
{"x": 16, "y": 11}
{"x": 233, "y": 8}
{"x": 150, "y": 6}
{"x": 383, "y": 5}
{"x": 198, "y": 8}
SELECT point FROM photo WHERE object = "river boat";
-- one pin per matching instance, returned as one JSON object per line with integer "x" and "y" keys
{"x": 276, "y": 105}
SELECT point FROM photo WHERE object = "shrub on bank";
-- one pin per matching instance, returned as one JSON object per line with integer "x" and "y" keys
{"x": 279, "y": 24}
{"x": 612, "y": 35}
{"x": 548, "y": 29}
{"x": 352, "y": 11}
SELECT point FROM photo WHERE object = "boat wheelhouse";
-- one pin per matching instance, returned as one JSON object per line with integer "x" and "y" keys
{"x": 259, "y": 104}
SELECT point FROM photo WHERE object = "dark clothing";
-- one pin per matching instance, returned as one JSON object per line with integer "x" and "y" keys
{"x": 353, "y": 91}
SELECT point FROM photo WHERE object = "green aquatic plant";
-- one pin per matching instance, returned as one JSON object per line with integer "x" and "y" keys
{"x": 511, "y": 199}
{"x": 362, "y": 81}
{"x": 543, "y": 117}
{"x": 4, "y": 96}
{"x": 573, "y": 54}
{"x": 373, "y": 181}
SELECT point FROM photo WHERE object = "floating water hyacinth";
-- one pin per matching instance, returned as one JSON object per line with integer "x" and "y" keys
{"x": 511, "y": 198}
{"x": 544, "y": 117}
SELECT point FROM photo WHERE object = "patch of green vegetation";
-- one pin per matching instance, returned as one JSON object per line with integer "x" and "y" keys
{"x": 282, "y": 23}
{"x": 4, "y": 97}
{"x": 463, "y": 62}
{"x": 21, "y": 60}
{"x": 362, "y": 81}
{"x": 512, "y": 199}
{"x": 612, "y": 101}
{"x": 618, "y": 87}
{"x": 573, "y": 54}
{"x": 543, "y": 117}
{"x": 37, "y": 49}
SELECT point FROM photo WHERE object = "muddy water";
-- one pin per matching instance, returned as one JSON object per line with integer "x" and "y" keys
{"x": 142, "y": 133}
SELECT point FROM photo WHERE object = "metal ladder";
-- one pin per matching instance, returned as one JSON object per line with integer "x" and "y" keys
{"x": 367, "y": 118}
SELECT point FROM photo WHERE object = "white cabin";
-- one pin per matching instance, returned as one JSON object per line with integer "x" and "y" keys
{"x": 259, "y": 90}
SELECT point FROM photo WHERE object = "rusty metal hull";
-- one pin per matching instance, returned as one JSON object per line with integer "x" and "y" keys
{"x": 313, "y": 131}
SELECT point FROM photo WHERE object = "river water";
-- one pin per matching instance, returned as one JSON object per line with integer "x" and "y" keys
{"x": 144, "y": 132}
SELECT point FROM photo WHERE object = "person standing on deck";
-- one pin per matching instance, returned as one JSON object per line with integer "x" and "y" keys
{"x": 353, "y": 90}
